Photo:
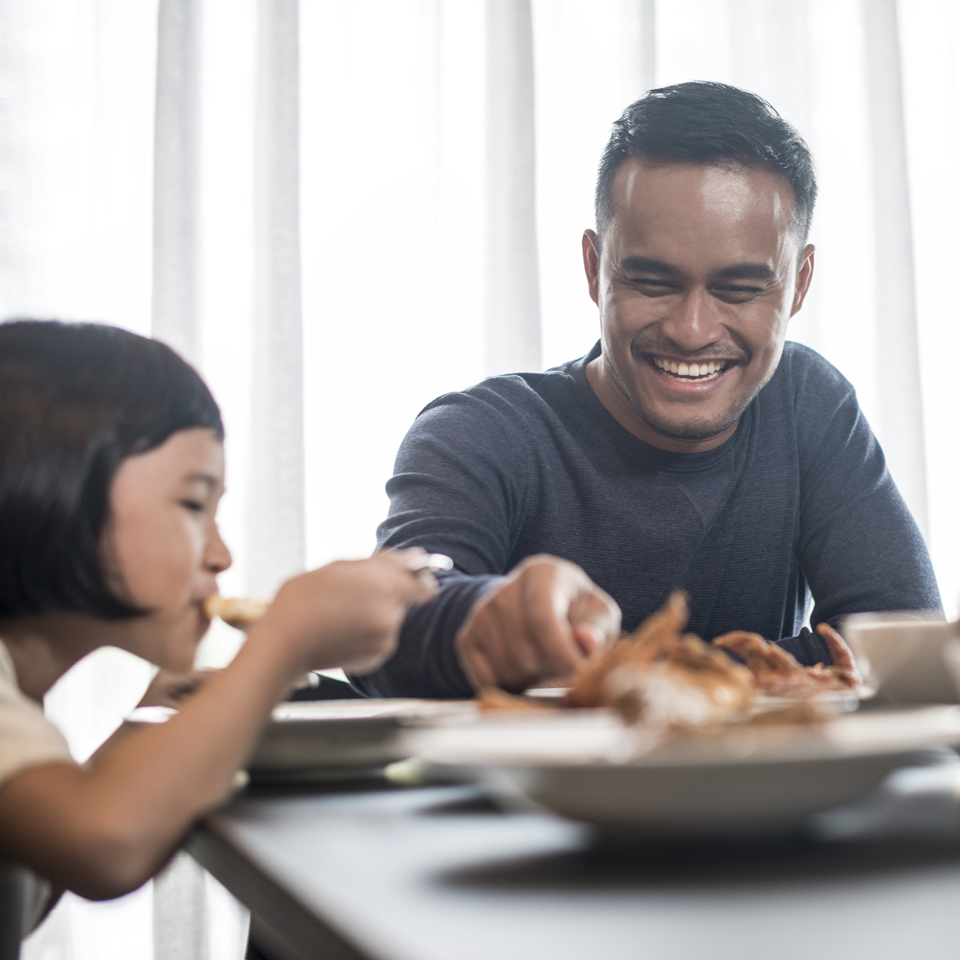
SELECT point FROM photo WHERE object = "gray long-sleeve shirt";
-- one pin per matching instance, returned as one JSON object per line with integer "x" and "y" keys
{"x": 798, "y": 503}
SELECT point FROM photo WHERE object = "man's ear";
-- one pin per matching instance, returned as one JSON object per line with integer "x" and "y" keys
{"x": 591, "y": 263}
{"x": 804, "y": 276}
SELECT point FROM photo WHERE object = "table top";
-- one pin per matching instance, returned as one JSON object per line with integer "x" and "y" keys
{"x": 437, "y": 872}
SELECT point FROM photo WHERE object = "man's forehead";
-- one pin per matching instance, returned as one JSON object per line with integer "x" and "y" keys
{"x": 693, "y": 202}
{"x": 638, "y": 179}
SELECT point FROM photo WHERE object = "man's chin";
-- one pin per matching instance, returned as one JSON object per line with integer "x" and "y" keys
{"x": 691, "y": 430}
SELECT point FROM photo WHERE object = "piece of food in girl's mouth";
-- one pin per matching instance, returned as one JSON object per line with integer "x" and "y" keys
{"x": 239, "y": 612}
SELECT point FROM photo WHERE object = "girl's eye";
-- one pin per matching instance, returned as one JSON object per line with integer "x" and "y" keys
{"x": 194, "y": 506}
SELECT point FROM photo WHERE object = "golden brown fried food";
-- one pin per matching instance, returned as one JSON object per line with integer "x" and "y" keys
{"x": 778, "y": 673}
{"x": 239, "y": 612}
{"x": 657, "y": 675}
{"x": 495, "y": 700}
{"x": 650, "y": 640}
{"x": 694, "y": 686}
{"x": 660, "y": 676}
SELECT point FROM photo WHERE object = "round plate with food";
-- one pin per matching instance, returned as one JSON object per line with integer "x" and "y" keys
{"x": 639, "y": 780}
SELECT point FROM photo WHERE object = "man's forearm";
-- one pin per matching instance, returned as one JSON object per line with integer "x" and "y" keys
{"x": 426, "y": 663}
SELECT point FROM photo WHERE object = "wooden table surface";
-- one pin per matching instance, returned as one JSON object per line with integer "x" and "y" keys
{"x": 437, "y": 873}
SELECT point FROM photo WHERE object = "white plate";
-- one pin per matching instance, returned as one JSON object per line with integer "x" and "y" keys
{"x": 587, "y": 766}
{"x": 846, "y": 699}
{"x": 323, "y": 739}
{"x": 318, "y": 738}
{"x": 842, "y": 699}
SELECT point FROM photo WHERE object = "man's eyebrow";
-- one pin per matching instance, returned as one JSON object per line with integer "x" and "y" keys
{"x": 747, "y": 271}
{"x": 647, "y": 265}
{"x": 738, "y": 271}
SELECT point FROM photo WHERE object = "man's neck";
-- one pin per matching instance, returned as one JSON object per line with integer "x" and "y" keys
{"x": 609, "y": 393}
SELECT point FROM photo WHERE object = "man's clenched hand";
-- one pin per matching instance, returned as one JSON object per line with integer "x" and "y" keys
{"x": 539, "y": 624}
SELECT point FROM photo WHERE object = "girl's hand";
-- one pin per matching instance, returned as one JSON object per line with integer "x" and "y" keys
{"x": 171, "y": 689}
{"x": 348, "y": 613}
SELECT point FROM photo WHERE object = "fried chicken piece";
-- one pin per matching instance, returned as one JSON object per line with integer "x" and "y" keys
{"x": 495, "y": 700}
{"x": 712, "y": 668}
{"x": 651, "y": 639}
{"x": 694, "y": 686}
{"x": 239, "y": 612}
{"x": 772, "y": 666}
{"x": 778, "y": 673}
{"x": 658, "y": 676}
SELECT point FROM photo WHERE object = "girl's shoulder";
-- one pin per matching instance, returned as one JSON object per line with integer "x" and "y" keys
{"x": 27, "y": 737}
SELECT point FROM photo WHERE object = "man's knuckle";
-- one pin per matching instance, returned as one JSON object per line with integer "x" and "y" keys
{"x": 541, "y": 620}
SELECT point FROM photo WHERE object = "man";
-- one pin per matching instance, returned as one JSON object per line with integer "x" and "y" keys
{"x": 692, "y": 447}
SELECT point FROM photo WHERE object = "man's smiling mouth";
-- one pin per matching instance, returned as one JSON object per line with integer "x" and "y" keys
{"x": 691, "y": 372}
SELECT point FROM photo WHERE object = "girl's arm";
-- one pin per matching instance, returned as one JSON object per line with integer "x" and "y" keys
{"x": 104, "y": 831}
{"x": 166, "y": 689}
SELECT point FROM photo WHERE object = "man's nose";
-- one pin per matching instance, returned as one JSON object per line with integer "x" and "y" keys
{"x": 692, "y": 321}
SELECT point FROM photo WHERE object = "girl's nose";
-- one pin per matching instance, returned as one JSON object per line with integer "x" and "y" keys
{"x": 217, "y": 557}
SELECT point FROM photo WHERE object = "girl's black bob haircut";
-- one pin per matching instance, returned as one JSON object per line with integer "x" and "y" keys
{"x": 76, "y": 399}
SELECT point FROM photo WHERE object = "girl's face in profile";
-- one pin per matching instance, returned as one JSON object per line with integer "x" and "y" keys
{"x": 162, "y": 547}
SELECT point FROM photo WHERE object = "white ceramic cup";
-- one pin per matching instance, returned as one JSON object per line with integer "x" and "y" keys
{"x": 951, "y": 656}
{"x": 901, "y": 654}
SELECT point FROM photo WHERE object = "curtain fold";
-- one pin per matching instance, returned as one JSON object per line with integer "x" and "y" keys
{"x": 895, "y": 311}
{"x": 180, "y": 914}
{"x": 648, "y": 44}
{"x": 176, "y": 182}
{"x": 512, "y": 333}
{"x": 276, "y": 544}
{"x": 12, "y": 173}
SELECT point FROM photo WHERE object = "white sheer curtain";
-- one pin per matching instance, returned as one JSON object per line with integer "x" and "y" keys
{"x": 339, "y": 209}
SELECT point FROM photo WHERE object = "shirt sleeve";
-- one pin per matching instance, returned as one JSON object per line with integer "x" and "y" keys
{"x": 860, "y": 548}
{"x": 457, "y": 489}
{"x": 27, "y": 738}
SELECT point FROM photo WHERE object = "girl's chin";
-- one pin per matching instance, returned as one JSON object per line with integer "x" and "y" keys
{"x": 168, "y": 636}
{"x": 175, "y": 650}
{"x": 175, "y": 661}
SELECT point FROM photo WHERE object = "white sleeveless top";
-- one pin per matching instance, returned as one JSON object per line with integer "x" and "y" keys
{"x": 27, "y": 739}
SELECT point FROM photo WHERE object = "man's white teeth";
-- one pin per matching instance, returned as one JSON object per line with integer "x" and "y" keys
{"x": 708, "y": 369}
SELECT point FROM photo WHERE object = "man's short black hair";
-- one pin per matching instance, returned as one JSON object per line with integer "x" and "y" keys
{"x": 75, "y": 400}
{"x": 709, "y": 123}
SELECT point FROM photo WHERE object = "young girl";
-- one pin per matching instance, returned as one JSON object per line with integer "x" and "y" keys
{"x": 111, "y": 468}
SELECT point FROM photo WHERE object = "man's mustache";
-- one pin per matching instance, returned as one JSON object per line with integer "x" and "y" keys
{"x": 663, "y": 346}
